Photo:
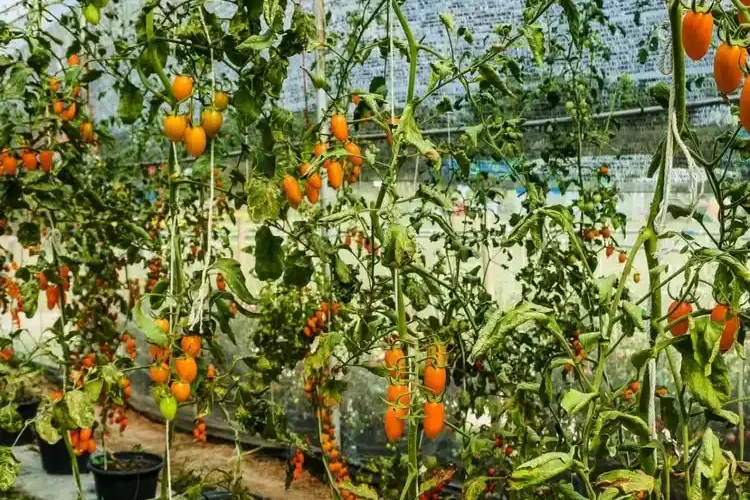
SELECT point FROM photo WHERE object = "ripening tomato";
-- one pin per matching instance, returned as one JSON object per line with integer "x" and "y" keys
{"x": 398, "y": 393}
{"x": 394, "y": 425}
{"x": 303, "y": 169}
{"x": 721, "y": 313}
{"x": 163, "y": 324}
{"x": 339, "y": 127}
{"x": 87, "y": 132}
{"x": 315, "y": 181}
{"x": 221, "y": 101}
{"x": 697, "y": 30}
{"x": 434, "y": 379}
{"x": 335, "y": 174}
{"x": 54, "y": 83}
{"x": 69, "y": 113}
{"x": 211, "y": 121}
{"x": 182, "y": 87}
{"x": 320, "y": 149}
{"x": 174, "y": 127}
{"x": 45, "y": 159}
{"x": 728, "y": 64}
{"x": 395, "y": 362}
{"x": 74, "y": 60}
{"x": 180, "y": 391}
{"x": 195, "y": 140}
{"x": 312, "y": 193}
{"x": 159, "y": 373}
{"x": 28, "y": 158}
{"x": 434, "y": 419}
{"x": 438, "y": 354}
{"x": 191, "y": 345}
{"x": 186, "y": 368}
{"x": 355, "y": 155}
{"x": 290, "y": 187}
{"x": 676, "y": 311}
{"x": 53, "y": 295}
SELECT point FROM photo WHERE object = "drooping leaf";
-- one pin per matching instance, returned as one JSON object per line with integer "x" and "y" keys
{"x": 131, "y": 103}
{"x": 573, "y": 401}
{"x": 45, "y": 429}
{"x": 360, "y": 491}
{"x": 79, "y": 408}
{"x": 231, "y": 270}
{"x": 540, "y": 470}
{"x": 148, "y": 326}
{"x": 298, "y": 269}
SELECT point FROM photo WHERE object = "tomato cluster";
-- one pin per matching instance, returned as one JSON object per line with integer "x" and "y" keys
{"x": 336, "y": 462}
{"x": 199, "y": 431}
{"x": 317, "y": 323}
{"x": 82, "y": 441}
{"x": 130, "y": 345}
{"x": 580, "y": 352}
{"x": 179, "y": 127}
{"x": 298, "y": 461}
{"x": 397, "y": 394}
{"x": 631, "y": 390}
{"x": 117, "y": 416}
{"x": 444, "y": 477}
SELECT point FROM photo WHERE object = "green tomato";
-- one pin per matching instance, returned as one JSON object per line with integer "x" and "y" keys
{"x": 168, "y": 407}
{"x": 597, "y": 198}
{"x": 572, "y": 259}
{"x": 91, "y": 13}
{"x": 589, "y": 207}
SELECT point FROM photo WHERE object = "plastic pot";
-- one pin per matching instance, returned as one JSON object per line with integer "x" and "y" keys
{"x": 56, "y": 460}
{"x": 27, "y": 410}
{"x": 131, "y": 475}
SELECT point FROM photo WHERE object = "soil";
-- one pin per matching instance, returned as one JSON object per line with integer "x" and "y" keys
{"x": 121, "y": 464}
{"x": 261, "y": 475}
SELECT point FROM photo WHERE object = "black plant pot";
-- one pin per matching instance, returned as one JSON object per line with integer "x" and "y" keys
{"x": 134, "y": 478}
{"x": 56, "y": 460}
{"x": 27, "y": 411}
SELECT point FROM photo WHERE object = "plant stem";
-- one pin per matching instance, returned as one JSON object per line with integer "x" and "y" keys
{"x": 413, "y": 48}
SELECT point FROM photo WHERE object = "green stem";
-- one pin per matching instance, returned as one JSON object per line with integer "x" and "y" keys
{"x": 413, "y": 48}
{"x": 73, "y": 463}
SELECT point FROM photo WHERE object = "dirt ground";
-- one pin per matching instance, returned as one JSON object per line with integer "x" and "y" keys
{"x": 262, "y": 476}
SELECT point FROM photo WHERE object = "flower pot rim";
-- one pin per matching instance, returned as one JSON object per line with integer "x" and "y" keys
{"x": 159, "y": 463}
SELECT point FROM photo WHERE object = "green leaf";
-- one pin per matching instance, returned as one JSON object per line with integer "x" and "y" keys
{"x": 298, "y": 269}
{"x": 45, "y": 429}
{"x": 535, "y": 39}
{"x": 79, "y": 408}
{"x": 713, "y": 390}
{"x": 234, "y": 278}
{"x": 568, "y": 491}
{"x": 474, "y": 488}
{"x": 400, "y": 246}
{"x": 604, "y": 286}
{"x": 540, "y": 470}
{"x": 150, "y": 329}
{"x": 410, "y": 134}
{"x": 360, "y": 491}
{"x": 93, "y": 389}
{"x": 609, "y": 418}
{"x": 571, "y": 13}
{"x": 28, "y": 234}
{"x": 712, "y": 469}
{"x": 627, "y": 481}
{"x": 257, "y": 43}
{"x": 635, "y": 313}
{"x": 30, "y": 297}
{"x": 131, "y": 103}
{"x": 573, "y": 401}
{"x": 269, "y": 256}
{"x": 9, "y": 468}
{"x": 10, "y": 419}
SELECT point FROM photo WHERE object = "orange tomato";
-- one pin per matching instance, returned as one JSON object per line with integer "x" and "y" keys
{"x": 315, "y": 181}
{"x": 182, "y": 87}
{"x": 721, "y": 313}
{"x": 58, "y": 107}
{"x": 211, "y": 121}
{"x": 195, "y": 140}
{"x": 398, "y": 393}
{"x": 434, "y": 379}
{"x": 434, "y": 419}
{"x": 303, "y": 169}
{"x": 676, "y": 311}
{"x": 54, "y": 83}
{"x": 87, "y": 132}
{"x": 159, "y": 373}
{"x": 320, "y": 149}
{"x": 74, "y": 60}
{"x": 290, "y": 187}
{"x": 394, "y": 425}
{"x": 28, "y": 158}
{"x": 180, "y": 391}
{"x": 221, "y": 101}
{"x": 438, "y": 354}
{"x": 69, "y": 113}
{"x": 163, "y": 324}
{"x": 697, "y": 30}
{"x": 10, "y": 164}
{"x": 191, "y": 345}
{"x": 174, "y": 127}
{"x": 395, "y": 362}
{"x": 186, "y": 368}
{"x": 339, "y": 127}
{"x": 85, "y": 434}
{"x": 312, "y": 193}
{"x": 728, "y": 64}
{"x": 355, "y": 155}
{"x": 335, "y": 174}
